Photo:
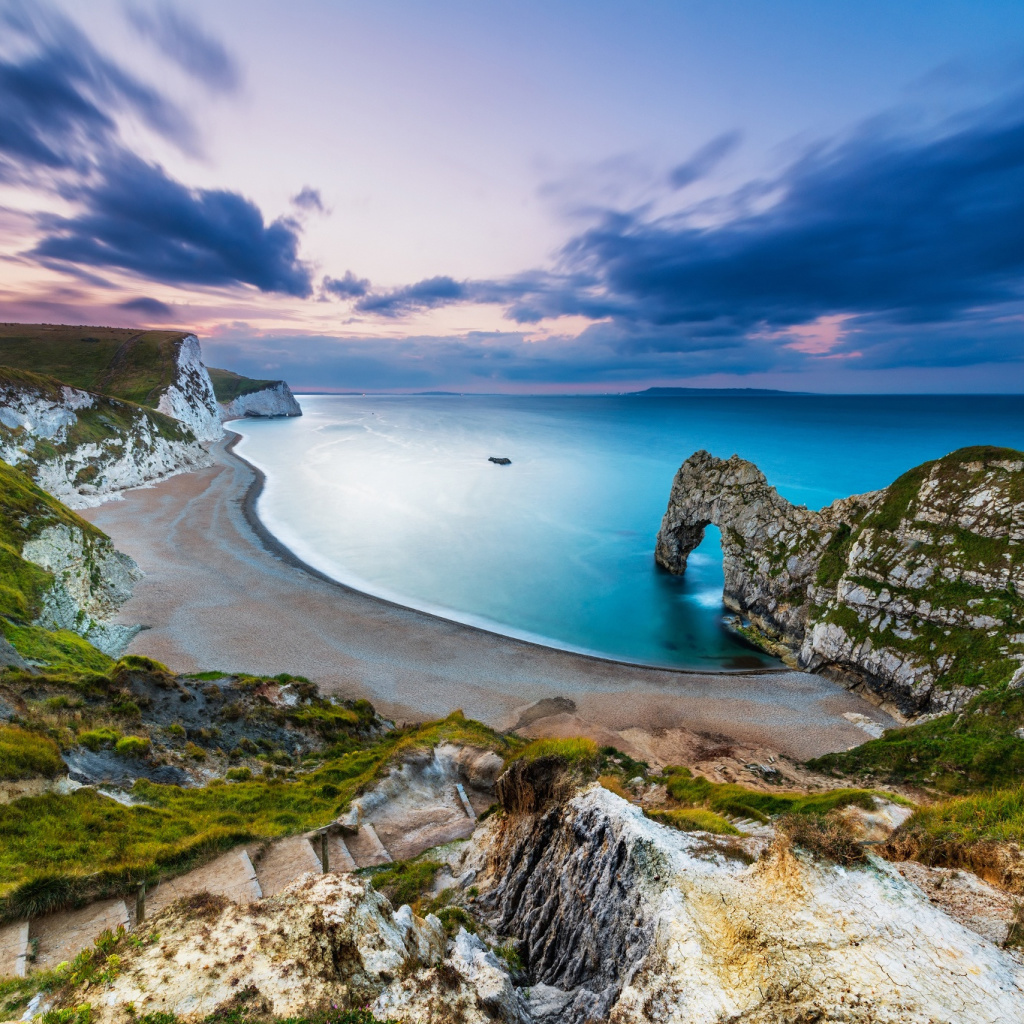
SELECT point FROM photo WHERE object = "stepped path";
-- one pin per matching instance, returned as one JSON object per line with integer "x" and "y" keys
{"x": 395, "y": 829}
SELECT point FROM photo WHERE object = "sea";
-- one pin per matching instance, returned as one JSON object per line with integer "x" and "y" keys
{"x": 395, "y": 496}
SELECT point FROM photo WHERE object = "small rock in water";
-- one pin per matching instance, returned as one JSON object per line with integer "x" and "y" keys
{"x": 499, "y": 462}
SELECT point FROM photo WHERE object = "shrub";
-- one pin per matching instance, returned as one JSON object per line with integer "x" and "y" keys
{"x": 405, "y": 881}
{"x": 239, "y": 774}
{"x": 94, "y": 739}
{"x": 25, "y": 755}
{"x": 177, "y": 730}
{"x": 826, "y": 835}
{"x": 614, "y": 785}
{"x": 195, "y": 752}
{"x": 575, "y": 751}
{"x": 132, "y": 746}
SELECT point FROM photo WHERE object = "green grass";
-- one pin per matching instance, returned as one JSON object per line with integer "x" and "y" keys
{"x": 985, "y": 817}
{"x": 957, "y": 753}
{"x": 575, "y": 751}
{"x": 228, "y": 385}
{"x": 694, "y": 819}
{"x": 26, "y": 755}
{"x": 406, "y": 881}
{"x": 59, "y": 650}
{"x": 130, "y": 364}
{"x": 739, "y": 801}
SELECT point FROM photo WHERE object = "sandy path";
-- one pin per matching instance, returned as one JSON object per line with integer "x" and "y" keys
{"x": 217, "y": 596}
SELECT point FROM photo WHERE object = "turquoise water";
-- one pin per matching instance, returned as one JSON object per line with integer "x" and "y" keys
{"x": 395, "y": 496}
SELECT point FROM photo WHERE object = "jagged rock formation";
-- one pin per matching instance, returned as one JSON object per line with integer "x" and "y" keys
{"x": 190, "y": 398}
{"x": 622, "y": 919}
{"x": 83, "y": 447}
{"x": 910, "y": 594}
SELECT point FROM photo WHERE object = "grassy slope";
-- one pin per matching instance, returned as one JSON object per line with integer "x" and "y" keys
{"x": 124, "y": 363}
{"x": 228, "y": 385}
{"x": 57, "y": 849}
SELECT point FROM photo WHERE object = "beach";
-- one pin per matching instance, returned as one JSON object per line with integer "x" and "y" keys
{"x": 221, "y": 593}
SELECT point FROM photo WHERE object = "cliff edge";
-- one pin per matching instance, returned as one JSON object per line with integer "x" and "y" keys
{"x": 240, "y": 396}
{"x": 910, "y": 593}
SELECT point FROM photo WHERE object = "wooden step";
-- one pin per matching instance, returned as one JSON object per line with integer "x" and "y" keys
{"x": 14, "y": 950}
{"x": 284, "y": 861}
{"x": 231, "y": 875}
{"x": 61, "y": 936}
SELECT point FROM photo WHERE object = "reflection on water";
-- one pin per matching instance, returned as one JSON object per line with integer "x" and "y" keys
{"x": 395, "y": 496}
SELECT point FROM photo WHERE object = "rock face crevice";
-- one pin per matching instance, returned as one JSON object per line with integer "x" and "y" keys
{"x": 622, "y": 919}
{"x": 910, "y": 593}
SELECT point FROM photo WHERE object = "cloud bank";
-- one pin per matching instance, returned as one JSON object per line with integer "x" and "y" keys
{"x": 60, "y": 103}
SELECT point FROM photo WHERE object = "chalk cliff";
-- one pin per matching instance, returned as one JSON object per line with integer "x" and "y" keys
{"x": 276, "y": 399}
{"x": 59, "y": 571}
{"x": 83, "y": 447}
{"x": 190, "y": 398}
{"x": 911, "y": 593}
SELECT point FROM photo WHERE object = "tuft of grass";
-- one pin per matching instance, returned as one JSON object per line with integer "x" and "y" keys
{"x": 96, "y": 739}
{"x": 576, "y": 751}
{"x": 614, "y": 785}
{"x": 404, "y": 882}
{"x": 26, "y": 755}
{"x": 694, "y": 819}
{"x": 132, "y": 746}
{"x": 826, "y": 835}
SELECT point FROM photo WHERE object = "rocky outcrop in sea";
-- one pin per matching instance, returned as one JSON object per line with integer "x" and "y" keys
{"x": 910, "y": 594}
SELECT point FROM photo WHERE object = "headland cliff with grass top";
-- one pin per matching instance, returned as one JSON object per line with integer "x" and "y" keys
{"x": 223, "y": 845}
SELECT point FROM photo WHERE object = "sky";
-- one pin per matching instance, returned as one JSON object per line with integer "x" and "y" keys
{"x": 537, "y": 197}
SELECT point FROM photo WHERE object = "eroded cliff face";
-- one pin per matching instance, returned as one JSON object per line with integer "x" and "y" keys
{"x": 91, "y": 580}
{"x": 83, "y": 447}
{"x": 190, "y": 399}
{"x": 274, "y": 400}
{"x": 623, "y": 919}
{"x": 910, "y": 593}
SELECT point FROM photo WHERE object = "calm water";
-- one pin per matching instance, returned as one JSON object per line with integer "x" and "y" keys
{"x": 395, "y": 496}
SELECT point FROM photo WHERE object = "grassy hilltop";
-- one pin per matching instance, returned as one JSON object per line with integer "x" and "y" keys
{"x": 120, "y": 362}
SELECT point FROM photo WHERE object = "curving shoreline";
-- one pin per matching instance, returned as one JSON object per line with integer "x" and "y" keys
{"x": 282, "y": 551}
{"x": 222, "y": 592}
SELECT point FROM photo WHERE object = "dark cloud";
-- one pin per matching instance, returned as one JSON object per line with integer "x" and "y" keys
{"x": 907, "y": 235}
{"x": 185, "y": 43}
{"x": 59, "y": 97}
{"x": 138, "y": 218}
{"x": 152, "y": 309}
{"x": 918, "y": 229}
{"x": 704, "y": 161}
{"x": 59, "y": 102}
{"x": 347, "y": 287}
{"x": 309, "y": 199}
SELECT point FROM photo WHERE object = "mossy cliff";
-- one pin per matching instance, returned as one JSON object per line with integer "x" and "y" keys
{"x": 911, "y": 593}
{"x": 61, "y": 580}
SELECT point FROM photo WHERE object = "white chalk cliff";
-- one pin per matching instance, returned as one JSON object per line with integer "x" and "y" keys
{"x": 190, "y": 399}
{"x": 274, "y": 400}
{"x": 82, "y": 447}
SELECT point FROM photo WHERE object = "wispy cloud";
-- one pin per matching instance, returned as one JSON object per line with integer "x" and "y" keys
{"x": 181, "y": 40}
{"x": 60, "y": 100}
